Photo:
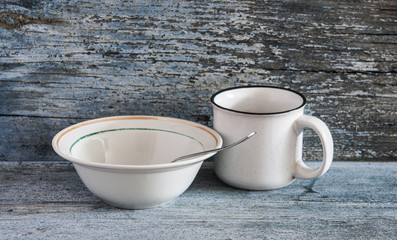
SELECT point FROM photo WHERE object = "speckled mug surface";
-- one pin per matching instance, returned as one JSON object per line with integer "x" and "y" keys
{"x": 273, "y": 158}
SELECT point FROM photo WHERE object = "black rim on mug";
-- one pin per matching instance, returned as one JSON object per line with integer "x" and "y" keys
{"x": 212, "y": 99}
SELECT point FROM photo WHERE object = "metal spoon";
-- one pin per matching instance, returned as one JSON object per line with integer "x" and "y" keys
{"x": 214, "y": 150}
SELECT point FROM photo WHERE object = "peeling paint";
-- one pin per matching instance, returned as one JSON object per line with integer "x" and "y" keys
{"x": 10, "y": 20}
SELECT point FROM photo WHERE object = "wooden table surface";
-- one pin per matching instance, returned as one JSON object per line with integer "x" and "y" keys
{"x": 354, "y": 200}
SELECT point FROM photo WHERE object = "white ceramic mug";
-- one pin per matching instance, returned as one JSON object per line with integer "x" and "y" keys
{"x": 273, "y": 158}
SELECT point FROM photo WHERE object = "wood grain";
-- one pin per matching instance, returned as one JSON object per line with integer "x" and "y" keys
{"x": 65, "y": 61}
{"x": 352, "y": 201}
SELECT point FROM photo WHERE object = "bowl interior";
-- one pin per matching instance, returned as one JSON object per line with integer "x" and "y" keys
{"x": 134, "y": 140}
{"x": 134, "y": 146}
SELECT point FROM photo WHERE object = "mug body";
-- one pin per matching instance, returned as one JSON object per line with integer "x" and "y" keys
{"x": 266, "y": 161}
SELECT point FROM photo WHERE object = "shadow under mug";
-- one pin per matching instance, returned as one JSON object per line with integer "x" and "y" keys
{"x": 273, "y": 158}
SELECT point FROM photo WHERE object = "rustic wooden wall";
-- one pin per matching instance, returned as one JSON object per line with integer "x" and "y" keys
{"x": 64, "y": 61}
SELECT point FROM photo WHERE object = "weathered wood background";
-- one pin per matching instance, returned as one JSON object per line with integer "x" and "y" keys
{"x": 64, "y": 61}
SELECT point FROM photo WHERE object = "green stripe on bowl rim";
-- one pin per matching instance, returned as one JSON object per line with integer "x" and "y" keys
{"x": 116, "y": 118}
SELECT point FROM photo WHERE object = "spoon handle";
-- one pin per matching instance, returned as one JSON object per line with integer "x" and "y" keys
{"x": 214, "y": 150}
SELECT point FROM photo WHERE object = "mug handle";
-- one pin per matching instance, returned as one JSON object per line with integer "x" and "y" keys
{"x": 301, "y": 169}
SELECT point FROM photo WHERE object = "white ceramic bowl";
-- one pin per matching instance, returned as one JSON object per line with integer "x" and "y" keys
{"x": 126, "y": 160}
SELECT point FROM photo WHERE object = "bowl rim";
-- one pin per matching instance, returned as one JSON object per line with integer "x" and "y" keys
{"x": 60, "y": 134}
